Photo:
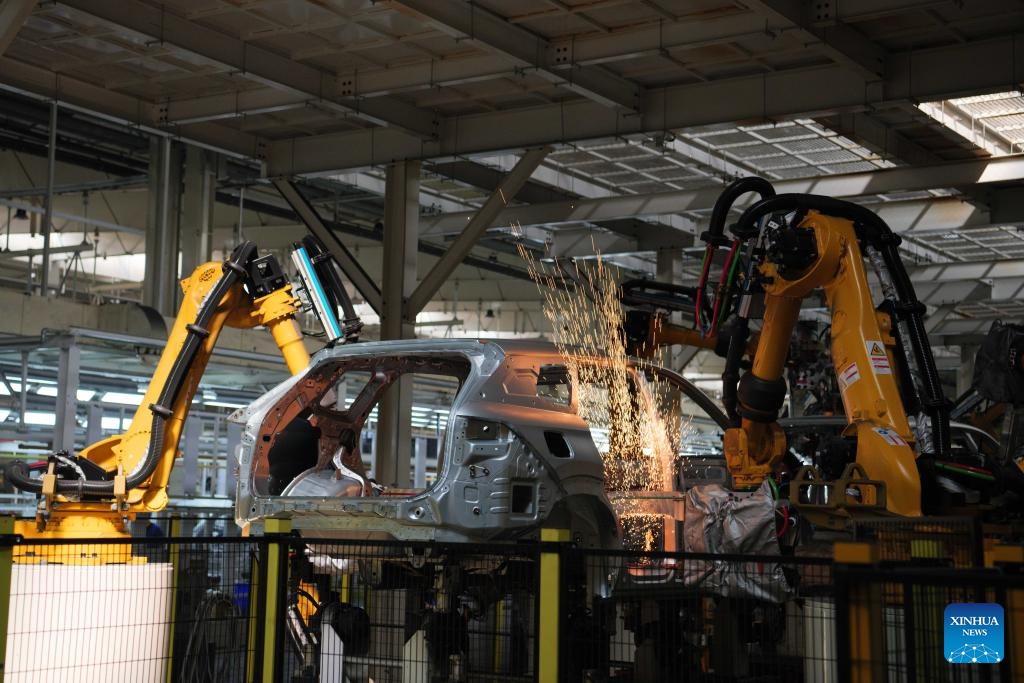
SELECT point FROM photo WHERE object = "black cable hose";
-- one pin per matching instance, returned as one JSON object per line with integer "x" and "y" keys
{"x": 735, "y": 189}
{"x": 739, "y": 334}
{"x": 874, "y": 231}
{"x": 234, "y": 268}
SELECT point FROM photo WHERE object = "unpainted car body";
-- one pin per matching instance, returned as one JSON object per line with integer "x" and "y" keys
{"x": 516, "y": 455}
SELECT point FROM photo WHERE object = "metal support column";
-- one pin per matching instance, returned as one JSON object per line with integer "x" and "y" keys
{"x": 965, "y": 371}
{"x": 420, "y": 463}
{"x": 23, "y": 394}
{"x": 160, "y": 287}
{"x": 94, "y": 423}
{"x": 190, "y": 457}
{"x": 51, "y": 169}
{"x": 401, "y": 235}
{"x": 195, "y": 224}
{"x": 67, "y": 395}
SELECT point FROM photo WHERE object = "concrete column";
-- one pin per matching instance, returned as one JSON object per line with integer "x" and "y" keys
{"x": 67, "y": 396}
{"x": 94, "y": 427}
{"x": 160, "y": 290}
{"x": 401, "y": 234}
{"x": 195, "y": 221}
{"x": 965, "y": 371}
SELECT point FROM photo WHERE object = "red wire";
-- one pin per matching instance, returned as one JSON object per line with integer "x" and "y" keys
{"x": 721, "y": 282}
{"x": 785, "y": 522}
{"x": 967, "y": 467}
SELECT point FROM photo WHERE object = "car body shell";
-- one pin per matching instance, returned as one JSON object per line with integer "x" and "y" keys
{"x": 538, "y": 467}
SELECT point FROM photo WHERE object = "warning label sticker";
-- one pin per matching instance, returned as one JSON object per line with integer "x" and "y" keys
{"x": 848, "y": 375}
{"x": 891, "y": 437}
{"x": 877, "y": 357}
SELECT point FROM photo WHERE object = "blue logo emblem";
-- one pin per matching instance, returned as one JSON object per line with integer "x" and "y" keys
{"x": 973, "y": 633}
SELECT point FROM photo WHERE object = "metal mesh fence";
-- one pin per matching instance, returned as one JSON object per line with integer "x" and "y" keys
{"x": 397, "y": 612}
{"x": 671, "y": 617}
{"x": 281, "y": 608}
{"x": 904, "y": 612}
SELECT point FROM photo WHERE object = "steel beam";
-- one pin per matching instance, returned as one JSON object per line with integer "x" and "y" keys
{"x": 980, "y": 270}
{"x": 951, "y": 292}
{"x": 934, "y": 214}
{"x": 476, "y": 227}
{"x": 1008, "y": 289}
{"x": 496, "y": 34}
{"x": 13, "y": 14}
{"x": 117, "y": 108}
{"x": 78, "y": 188}
{"x": 916, "y": 215}
{"x": 823, "y": 32}
{"x": 652, "y": 39}
{"x": 346, "y": 261}
{"x": 257, "y": 62}
{"x": 85, "y": 220}
{"x": 864, "y": 128}
{"x": 362, "y": 83}
{"x": 231, "y": 105}
{"x": 937, "y": 317}
{"x": 962, "y": 329}
{"x": 72, "y": 93}
{"x": 920, "y": 75}
{"x": 70, "y": 249}
{"x": 645, "y": 40}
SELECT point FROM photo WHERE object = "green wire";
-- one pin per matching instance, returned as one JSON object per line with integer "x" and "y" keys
{"x": 976, "y": 475}
{"x": 732, "y": 269}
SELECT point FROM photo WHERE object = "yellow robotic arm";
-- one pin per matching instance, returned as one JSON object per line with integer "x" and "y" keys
{"x": 797, "y": 244}
{"x": 244, "y": 292}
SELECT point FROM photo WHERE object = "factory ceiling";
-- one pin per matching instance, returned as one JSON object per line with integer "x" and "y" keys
{"x": 646, "y": 109}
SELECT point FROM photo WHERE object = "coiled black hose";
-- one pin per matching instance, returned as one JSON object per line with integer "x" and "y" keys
{"x": 873, "y": 230}
{"x": 234, "y": 269}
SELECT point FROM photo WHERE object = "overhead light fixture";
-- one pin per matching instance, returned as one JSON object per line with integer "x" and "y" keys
{"x": 20, "y": 215}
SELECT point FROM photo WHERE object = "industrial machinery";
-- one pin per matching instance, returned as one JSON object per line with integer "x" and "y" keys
{"x": 993, "y": 406}
{"x": 96, "y": 493}
{"x": 527, "y": 438}
{"x": 781, "y": 250}
{"x": 516, "y": 455}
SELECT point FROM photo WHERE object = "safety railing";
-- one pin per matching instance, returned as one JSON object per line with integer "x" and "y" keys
{"x": 280, "y": 608}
